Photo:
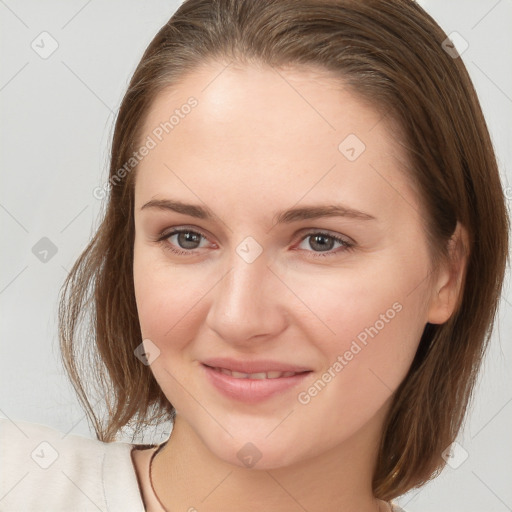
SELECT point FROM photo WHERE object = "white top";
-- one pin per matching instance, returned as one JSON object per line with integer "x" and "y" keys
{"x": 44, "y": 469}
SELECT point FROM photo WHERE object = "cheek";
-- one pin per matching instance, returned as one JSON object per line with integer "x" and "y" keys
{"x": 377, "y": 324}
{"x": 167, "y": 298}
{"x": 169, "y": 312}
{"x": 373, "y": 323}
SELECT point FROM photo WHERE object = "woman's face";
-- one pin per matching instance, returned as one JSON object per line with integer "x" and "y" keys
{"x": 302, "y": 250}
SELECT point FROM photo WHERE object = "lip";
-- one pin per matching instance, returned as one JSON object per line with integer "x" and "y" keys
{"x": 252, "y": 391}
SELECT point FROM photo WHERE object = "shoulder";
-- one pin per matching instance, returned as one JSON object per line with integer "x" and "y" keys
{"x": 44, "y": 469}
{"x": 396, "y": 508}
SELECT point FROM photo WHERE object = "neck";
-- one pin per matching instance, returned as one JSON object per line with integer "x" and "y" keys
{"x": 188, "y": 476}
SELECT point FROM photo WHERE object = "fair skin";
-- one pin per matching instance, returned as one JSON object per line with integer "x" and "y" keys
{"x": 260, "y": 142}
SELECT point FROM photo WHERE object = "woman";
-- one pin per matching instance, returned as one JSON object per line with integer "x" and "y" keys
{"x": 299, "y": 264}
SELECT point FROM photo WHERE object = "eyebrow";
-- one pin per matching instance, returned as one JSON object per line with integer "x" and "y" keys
{"x": 283, "y": 217}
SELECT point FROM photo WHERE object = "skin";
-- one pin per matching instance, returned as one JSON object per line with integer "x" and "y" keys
{"x": 258, "y": 142}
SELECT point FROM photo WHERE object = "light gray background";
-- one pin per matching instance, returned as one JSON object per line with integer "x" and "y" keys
{"x": 57, "y": 117}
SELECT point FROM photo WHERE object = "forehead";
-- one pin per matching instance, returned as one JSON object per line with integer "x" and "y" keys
{"x": 298, "y": 100}
{"x": 279, "y": 134}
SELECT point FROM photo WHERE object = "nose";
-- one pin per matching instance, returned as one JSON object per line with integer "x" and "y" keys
{"x": 247, "y": 303}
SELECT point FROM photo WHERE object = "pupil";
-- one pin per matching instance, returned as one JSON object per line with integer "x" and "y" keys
{"x": 188, "y": 240}
{"x": 320, "y": 242}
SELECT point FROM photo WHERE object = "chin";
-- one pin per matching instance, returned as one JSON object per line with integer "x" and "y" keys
{"x": 256, "y": 452}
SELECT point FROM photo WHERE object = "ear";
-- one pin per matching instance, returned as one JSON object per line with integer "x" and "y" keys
{"x": 446, "y": 289}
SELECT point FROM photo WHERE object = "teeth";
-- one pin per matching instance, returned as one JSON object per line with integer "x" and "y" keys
{"x": 239, "y": 375}
{"x": 260, "y": 375}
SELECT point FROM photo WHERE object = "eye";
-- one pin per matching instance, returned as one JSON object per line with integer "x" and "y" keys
{"x": 323, "y": 243}
{"x": 183, "y": 241}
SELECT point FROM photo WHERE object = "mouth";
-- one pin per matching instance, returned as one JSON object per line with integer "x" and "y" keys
{"x": 253, "y": 387}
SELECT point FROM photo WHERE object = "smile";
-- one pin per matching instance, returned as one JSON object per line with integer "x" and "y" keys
{"x": 255, "y": 387}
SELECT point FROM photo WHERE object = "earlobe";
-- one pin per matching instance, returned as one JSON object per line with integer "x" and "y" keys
{"x": 448, "y": 288}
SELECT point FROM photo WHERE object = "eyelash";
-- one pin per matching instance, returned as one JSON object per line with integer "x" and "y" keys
{"x": 346, "y": 246}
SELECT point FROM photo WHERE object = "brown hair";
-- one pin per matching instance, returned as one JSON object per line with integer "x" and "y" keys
{"x": 390, "y": 53}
